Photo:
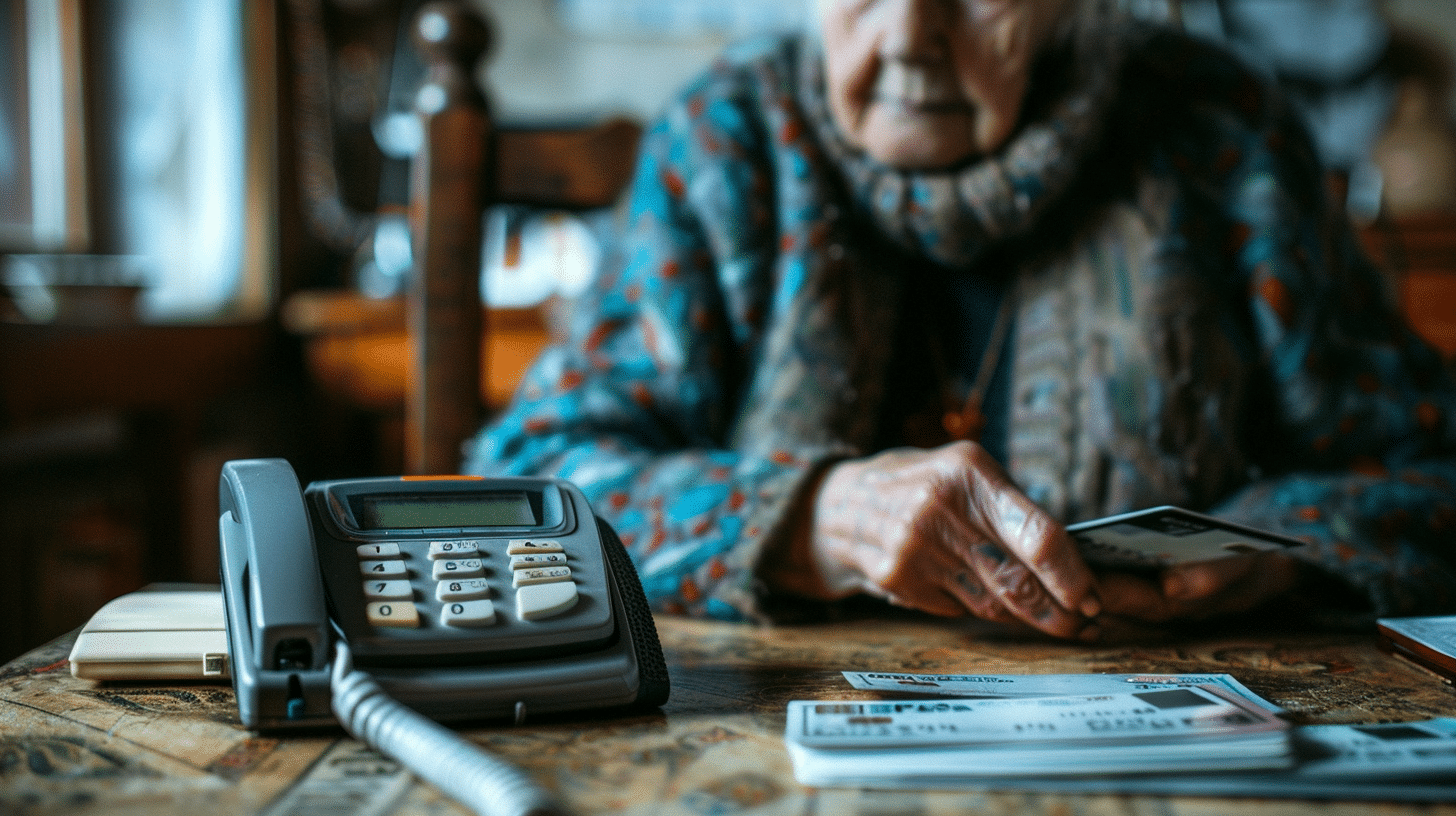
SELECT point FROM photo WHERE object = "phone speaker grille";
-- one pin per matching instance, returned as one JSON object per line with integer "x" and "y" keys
{"x": 651, "y": 667}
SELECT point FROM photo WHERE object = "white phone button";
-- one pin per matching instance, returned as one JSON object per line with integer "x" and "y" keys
{"x": 525, "y": 546}
{"x": 458, "y": 568}
{"x": 540, "y": 575}
{"x": 461, "y": 590}
{"x": 540, "y": 560}
{"x": 388, "y": 591}
{"x": 393, "y": 613}
{"x": 454, "y": 549}
{"x": 378, "y": 550}
{"x": 468, "y": 613}
{"x": 384, "y": 569}
{"x": 538, "y": 601}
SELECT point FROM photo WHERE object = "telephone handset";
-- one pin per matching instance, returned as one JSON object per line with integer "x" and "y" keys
{"x": 463, "y": 598}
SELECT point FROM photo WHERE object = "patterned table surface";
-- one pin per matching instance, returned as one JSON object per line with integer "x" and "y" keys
{"x": 75, "y": 747}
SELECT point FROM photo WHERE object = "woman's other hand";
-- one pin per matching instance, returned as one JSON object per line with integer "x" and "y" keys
{"x": 944, "y": 531}
{"x": 1209, "y": 589}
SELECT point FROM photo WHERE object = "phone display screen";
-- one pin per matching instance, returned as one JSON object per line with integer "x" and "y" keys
{"x": 508, "y": 509}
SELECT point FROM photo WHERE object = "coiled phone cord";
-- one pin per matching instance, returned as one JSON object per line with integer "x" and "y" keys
{"x": 483, "y": 783}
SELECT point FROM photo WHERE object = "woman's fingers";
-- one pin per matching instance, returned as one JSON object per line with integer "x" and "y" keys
{"x": 1014, "y": 588}
{"x": 946, "y": 531}
{"x": 1043, "y": 545}
{"x": 976, "y": 588}
{"x": 1029, "y": 535}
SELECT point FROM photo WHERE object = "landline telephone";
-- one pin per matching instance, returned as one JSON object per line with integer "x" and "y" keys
{"x": 457, "y": 598}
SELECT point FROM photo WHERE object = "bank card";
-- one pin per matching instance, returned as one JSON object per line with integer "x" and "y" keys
{"x": 1043, "y": 685}
{"x": 1163, "y": 536}
{"x": 1166, "y": 715}
{"x": 919, "y": 743}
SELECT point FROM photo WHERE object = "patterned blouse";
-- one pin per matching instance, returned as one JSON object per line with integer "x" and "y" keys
{"x": 1193, "y": 325}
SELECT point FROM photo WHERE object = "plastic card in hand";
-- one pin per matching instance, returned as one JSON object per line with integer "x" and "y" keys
{"x": 1164, "y": 536}
{"x": 154, "y": 635}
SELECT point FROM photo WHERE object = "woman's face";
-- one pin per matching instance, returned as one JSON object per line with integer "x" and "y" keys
{"x": 926, "y": 84}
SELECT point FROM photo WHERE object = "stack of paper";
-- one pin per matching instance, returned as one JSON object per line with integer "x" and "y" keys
{"x": 1172, "y": 730}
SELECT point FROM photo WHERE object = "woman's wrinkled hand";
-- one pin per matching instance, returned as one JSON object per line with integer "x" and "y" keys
{"x": 945, "y": 531}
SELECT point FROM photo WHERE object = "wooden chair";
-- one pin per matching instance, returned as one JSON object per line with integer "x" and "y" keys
{"x": 465, "y": 165}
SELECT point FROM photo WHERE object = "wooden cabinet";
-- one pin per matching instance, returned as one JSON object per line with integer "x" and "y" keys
{"x": 99, "y": 436}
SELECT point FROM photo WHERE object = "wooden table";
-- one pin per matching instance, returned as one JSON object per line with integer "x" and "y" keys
{"x": 69, "y": 746}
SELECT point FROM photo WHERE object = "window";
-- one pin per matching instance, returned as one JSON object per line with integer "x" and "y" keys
{"x": 144, "y": 128}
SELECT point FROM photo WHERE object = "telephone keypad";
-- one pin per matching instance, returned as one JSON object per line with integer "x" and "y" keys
{"x": 540, "y": 577}
{"x": 458, "y": 568}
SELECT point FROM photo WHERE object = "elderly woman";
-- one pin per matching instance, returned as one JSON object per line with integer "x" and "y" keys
{"x": 899, "y": 299}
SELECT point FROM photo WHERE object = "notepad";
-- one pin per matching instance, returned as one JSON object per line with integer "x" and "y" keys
{"x": 154, "y": 635}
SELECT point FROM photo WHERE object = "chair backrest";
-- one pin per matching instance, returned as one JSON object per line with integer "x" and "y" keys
{"x": 466, "y": 164}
